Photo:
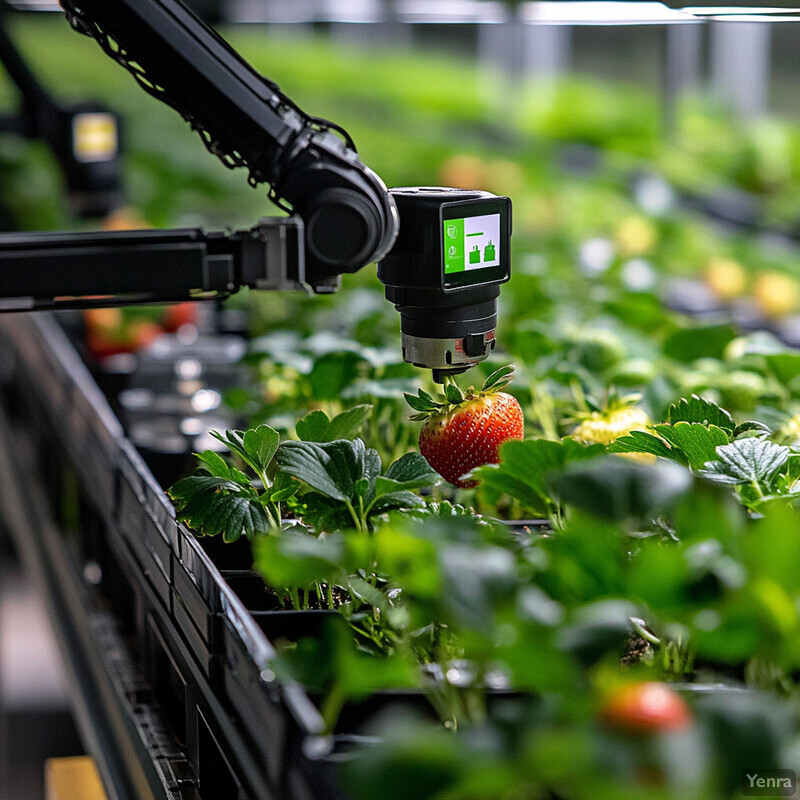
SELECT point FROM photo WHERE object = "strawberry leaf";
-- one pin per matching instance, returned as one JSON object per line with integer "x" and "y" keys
{"x": 260, "y": 445}
{"x": 256, "y": 447}
{"x": 696, "y": 441}
{"x": 747, "y": 460}
{"x": 215, "y": 464}
{"x": 619, "y": 489}
{"x": 752, "y": 428}
{"x": 524, "y": 467}
{"x": 331, "y": 468}
{"x": 317, "y": 427}
{"x": 348, "y": 424}
{"x": 706, "y": 341}
{"x": 499, "y": 378}
{"x": 312, "y": 427}
{"x": 412, "y": 467}
{"x": 411, "y": 471}
{"x": 395, "y": 501}
{"x": 453, "y": 393}
{"x": 697, "y": 409}
{"x": 422, "y": 403}
{"x": 297, "y": 558}
{"x": 643, "y": 442}
{"x": 211, "y": 505}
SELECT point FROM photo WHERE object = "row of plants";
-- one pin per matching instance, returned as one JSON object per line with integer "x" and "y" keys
{"x": 644, "y": 645}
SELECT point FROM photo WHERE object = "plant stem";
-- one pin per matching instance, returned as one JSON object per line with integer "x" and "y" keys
{"x": 332, "y": 707}
{"x": 358, "y": 521}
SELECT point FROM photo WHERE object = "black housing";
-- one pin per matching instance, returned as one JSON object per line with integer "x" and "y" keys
{"x": 413, "y": 272}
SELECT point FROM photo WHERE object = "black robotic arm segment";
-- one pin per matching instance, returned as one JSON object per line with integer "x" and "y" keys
{"x": 350, "y": 219}
{"x": 115, "y": 268}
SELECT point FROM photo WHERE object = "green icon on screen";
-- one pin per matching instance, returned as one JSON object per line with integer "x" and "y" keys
{"x": 488, "y": 252}
{"x": 452, "y": 231}
{"x": 475, "y": 255}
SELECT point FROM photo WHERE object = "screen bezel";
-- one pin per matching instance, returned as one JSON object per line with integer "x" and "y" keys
{"x": 476, "y": 208}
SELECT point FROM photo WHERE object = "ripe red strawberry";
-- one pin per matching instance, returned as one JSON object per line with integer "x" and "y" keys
{"x": 466, "y": 430}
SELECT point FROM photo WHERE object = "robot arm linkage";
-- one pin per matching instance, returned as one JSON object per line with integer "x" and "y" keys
{"x": 349, "y": 217}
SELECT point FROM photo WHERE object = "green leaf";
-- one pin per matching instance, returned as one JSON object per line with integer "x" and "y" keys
{"x": 211, "y": 505}
{"x": 279, "y": 495}
{"x": 231, "y": 439}
{"x": 421, "y": 403}
{"x": 697, "y": 409}
{"x": 372, "y": 465}
{"x": 367, "y": 593}
{"x": 752, "y": 428}
{"x": 476, "y": 580}
{"x": 785, "y": 366}
{"x": 348, "y": 424}
{"x": 643, "y": 442}
{"x": 793, "y": 467}
{"x": 312, "y": 427}
{"x": 500, "y": 377}
{"x": 332, "y": 373}
{"x": 410, "y": 471}
{"x": 617, "y": 489}
{"x": 215, "y": 464}
{"x": 706, "y": 341}
{"x": 522, "y": 470}
{"x": 411, "y": 467}
{"x": 260, "y": 444}
{"x": 395, "y": 501}
{"x": 698, "y": 442}
{"x": 296, "y": 558}
{"x": 748, "y": 460}
{"x": 331, "y": 468}
{"x": 524, "y": 467}
{"x": 453, "y": 393}
{"x": 255, "y": 447}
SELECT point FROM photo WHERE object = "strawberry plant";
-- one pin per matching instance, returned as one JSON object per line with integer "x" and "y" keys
{"x": 344, "y": 486}
{"x": 328, "y": 480}
{"x": 329, "y": 373}
{"x": 222, "y": 499}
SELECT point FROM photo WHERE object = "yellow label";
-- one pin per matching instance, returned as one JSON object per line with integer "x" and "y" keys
{"x": 94, "y": 137}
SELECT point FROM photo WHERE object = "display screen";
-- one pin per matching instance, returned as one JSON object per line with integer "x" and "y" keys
{"x": 471, "y": 243}
{"x": 474, "y": 244}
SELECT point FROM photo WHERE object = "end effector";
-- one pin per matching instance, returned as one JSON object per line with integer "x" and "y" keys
{"x": 444, "y": 275}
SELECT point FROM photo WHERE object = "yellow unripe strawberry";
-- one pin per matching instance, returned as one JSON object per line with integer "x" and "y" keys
{"x": 775, "y": 294}
{"x": 635, "y": 236}
{"x": 790, "y": 430}
{"x": 603, "y": 427}
{"x": 725, "y": 277}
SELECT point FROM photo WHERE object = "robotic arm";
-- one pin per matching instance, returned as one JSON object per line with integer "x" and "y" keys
{"x": 349, "y": 219}
{"x": 443, "y": 274}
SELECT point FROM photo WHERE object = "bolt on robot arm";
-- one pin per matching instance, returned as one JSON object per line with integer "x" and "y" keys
{"x": 343, "y": 217}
